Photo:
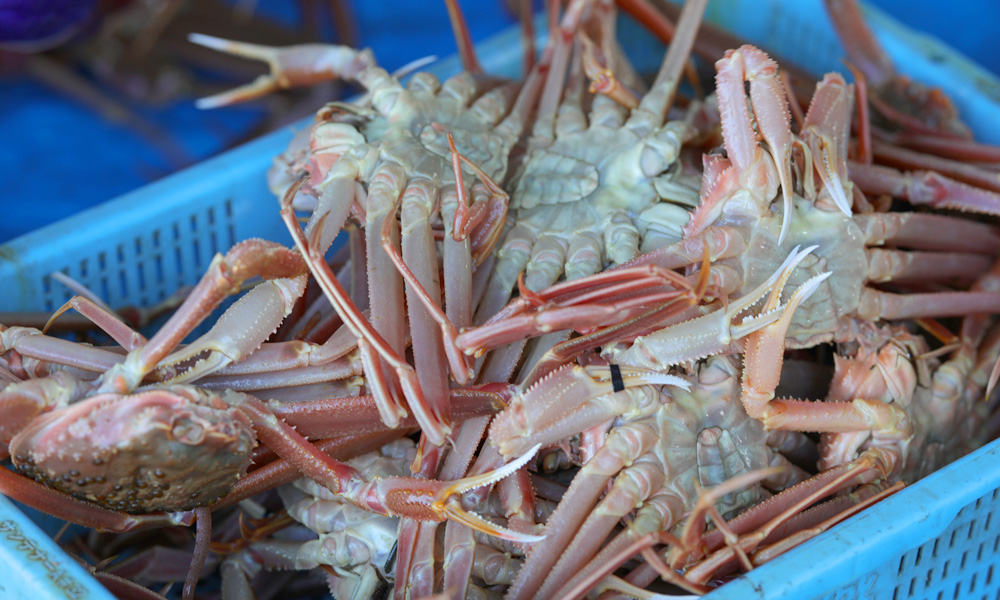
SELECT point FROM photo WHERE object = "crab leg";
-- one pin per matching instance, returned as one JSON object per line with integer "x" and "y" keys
{"x": 712, "y": 333}
{"x": 414, "y": 550}
{"x": 281, "y": 471}
{"x": 294, "y": 66}
{"x": 938, "y": 116}
{"x": 623, "y": 445}
{"x": 421, "y": 259}
{"x": 224, "y": 277}
{"x": 459, "y": 544}
{"x": 385, "y": 287}
{"x": 109, "y": 322}
{"x": 965, "y": 150}
{"x": 629, "y": 491}
{"x": 640, "y": 287}
{"x": 863, "y": 470}
{"x": 652, "y": 110}
{"x": 424, "y": 500}
{"x": 926, "y": 187}
{"x": 922, "y": 231}
{"x": 369, "y": 340}
{"x": 633, "y": 541}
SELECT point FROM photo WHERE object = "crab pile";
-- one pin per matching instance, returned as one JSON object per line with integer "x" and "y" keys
{"x": 576, "y": 299}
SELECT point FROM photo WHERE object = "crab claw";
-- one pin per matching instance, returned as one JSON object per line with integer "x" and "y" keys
{"x": 826, "y": 128}
{"x": 293, "y": 66}
{"x": 431, "y": 500}
{"x": 770, "y": 111}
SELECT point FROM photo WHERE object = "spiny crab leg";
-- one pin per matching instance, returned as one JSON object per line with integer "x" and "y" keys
{"x": 422, "y": 499}
{"x": 605, "y": 565}
{"x": 460, "y": 368}
{"x": 371, "y": 345}
{"x": 714, "y": 332}
{"x": 223, "y": 277}
{"x": 109, "y": 322}
{"x": 295, "y": 66}
{"x": 621, "y": 293}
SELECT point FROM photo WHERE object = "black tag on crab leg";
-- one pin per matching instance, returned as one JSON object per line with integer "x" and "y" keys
{"x": 616, "y": 378}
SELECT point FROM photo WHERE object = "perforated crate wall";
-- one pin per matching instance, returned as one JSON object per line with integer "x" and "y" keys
{"x": 139, "y": 248}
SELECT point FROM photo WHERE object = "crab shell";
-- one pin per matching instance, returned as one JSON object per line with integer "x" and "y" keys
{"x": 164, "y": 449}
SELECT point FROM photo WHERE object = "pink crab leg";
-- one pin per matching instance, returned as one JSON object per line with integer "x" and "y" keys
{"x": 925, "y": 187}
{"x": 110, "y": 323}
{"x": 653, "y": 108}
{"x": 415, "y": 547}
{"x": 335, "y": 200}
{"x": 956, "y": 149}
{"x": 203, "y": 537}
{"x": 863, "y": 151}
{"x": 862, "y": 48}
{"x": 631, "y": 542}
{"x": 281, "y": 471}
{"x": 559, "y": 48}
{"x": 31, "y": 343}
{"x": 921, "y": 231}
{"x": 650, "y": 16}
{"x": 600, "y": 285}
{"x": 425, "y": 500}
{"x": 459, "y": 544}
{"x": 864, "y": 51}
{"x": 864, "y": 469}
{"x": 771, "y": 551}
{"x": 328, "y": 417}
{"x": 902, "y": 158}
{"x": 223, "y": 277}
{"x": 294, "y": 66}
{"x": 711, "y": 333}
{"x": 459, "y": 28}
{"x": 424, "y": 289}
{"x": 876, "y": 305}
{"x": 622, "y": 445}
{"x": 629, "y": 491}
{"x": 385, "y": 287}
{"x": 602, "y": 77}
{"x": 338, "y": 370}
{"x": 640, "y": 287}
{"x": 897, "y": 265}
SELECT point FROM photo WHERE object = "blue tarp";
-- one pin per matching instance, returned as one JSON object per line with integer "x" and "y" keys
{"x": 59, "y": 157}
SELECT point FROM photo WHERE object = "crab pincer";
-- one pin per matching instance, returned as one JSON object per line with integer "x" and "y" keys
{"x": 295, "y": 66}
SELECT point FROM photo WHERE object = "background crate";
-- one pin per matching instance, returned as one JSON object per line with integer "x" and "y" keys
{"x": 935, "y": 539}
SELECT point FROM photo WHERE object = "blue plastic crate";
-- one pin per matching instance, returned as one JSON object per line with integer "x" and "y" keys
{"x": 935, "y": 539}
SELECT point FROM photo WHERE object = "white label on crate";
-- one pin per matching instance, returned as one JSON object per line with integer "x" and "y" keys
{"x": 57, "y": 575}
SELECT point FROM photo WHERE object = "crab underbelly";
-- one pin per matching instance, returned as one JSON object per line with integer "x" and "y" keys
{"x": 840, "y": 250}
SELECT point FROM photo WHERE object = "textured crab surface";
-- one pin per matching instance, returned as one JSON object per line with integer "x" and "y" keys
{"x": 157, "y": 450}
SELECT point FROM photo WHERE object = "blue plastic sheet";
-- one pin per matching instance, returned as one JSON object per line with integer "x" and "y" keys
{"x": 60, "y": 157}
